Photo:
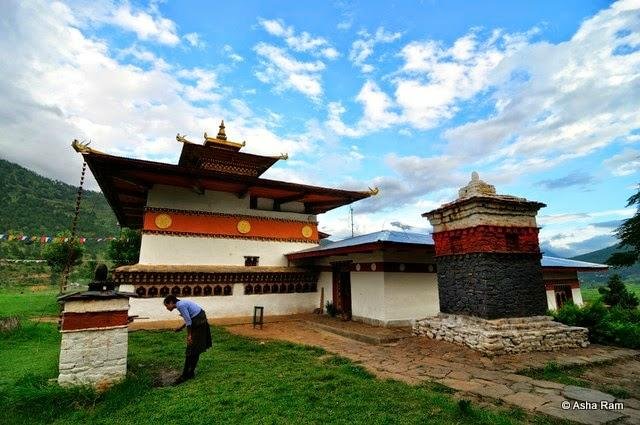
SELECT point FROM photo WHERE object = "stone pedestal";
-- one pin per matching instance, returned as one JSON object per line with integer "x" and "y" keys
{"x": 502, "y": 336}
{"x": 94, "y": 343}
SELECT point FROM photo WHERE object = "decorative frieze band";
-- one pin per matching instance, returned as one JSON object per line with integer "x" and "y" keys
{"x": 161, "y": 284}
{"x": 228, "y": 226}
{"x": 228, "y": 215}
{"x": 388, "y": 266}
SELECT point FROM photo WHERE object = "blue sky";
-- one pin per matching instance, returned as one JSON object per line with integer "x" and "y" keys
{"x": 541, "y": 98}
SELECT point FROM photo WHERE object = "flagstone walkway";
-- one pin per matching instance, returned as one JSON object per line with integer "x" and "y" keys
{"x": 417, "y": 359}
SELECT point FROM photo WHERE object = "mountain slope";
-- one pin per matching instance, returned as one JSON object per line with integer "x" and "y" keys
{"x": 600, "y": 256}
{"x": 34, "y": 205}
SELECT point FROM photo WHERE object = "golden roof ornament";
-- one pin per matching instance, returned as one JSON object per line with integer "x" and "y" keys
{"x": 221, "y": 139}
{"x": 221, "y": 134}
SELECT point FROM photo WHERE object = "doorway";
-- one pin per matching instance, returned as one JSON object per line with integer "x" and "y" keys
{"x": 342, "y": 288}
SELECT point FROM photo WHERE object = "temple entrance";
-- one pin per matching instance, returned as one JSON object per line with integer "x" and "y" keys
{"x": 563, "y": 294}
{"x": 342, "y": 288}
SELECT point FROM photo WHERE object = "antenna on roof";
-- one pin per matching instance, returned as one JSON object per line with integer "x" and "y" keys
{"x": 351, "y": 213}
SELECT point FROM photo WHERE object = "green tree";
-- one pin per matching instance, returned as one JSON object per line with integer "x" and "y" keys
{"x": 63, "y": 251}
{"x": 617, "y": 294}
{"x": 125, "y": 249}
{"x": 629, "y": 235}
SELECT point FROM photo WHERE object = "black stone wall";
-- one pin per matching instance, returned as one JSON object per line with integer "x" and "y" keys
{"x": 491, "y": 285}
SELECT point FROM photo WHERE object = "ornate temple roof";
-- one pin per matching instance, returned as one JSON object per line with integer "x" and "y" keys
{"x": 216, "y": 165}
{"x": 219, "y": 154}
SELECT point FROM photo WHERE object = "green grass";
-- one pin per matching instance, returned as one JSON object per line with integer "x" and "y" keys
{"x": 240, "y": 380}
{"x": 591, "y": 294}
{"x": 572, "y": 375}
{"x": 24, "y": 303}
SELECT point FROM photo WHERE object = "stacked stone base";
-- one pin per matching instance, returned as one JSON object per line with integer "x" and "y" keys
{"x": 502, "y": 336}
{"x": 96, "y": 358}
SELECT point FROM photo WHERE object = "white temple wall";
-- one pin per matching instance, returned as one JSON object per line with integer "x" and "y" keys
{"x": 551, "y": 300}
{"x": 186, "y": 250}
{"x": 236, "y": 305}
{"x": 162, "y": 196}
{"x": 410, "y": 296}
{"x": 367, "y": 296}
{"x": 325, "y": 280}
{"x": 577, "y": 296}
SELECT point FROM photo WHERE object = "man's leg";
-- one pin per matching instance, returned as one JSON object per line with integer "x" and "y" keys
{"x": 192, "y": 365}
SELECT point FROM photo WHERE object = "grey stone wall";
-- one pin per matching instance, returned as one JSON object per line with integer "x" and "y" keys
{"x": 491, "y": 285}
{"x": 502, "y": 336}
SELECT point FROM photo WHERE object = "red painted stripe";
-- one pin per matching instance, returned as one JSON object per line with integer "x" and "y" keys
{"x": 94, "y": 319}
{"x": 487, "y": 239}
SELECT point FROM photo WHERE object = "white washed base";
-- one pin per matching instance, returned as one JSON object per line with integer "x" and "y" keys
{"x": 94, "y": 357}
{"x": 502, "y": 336}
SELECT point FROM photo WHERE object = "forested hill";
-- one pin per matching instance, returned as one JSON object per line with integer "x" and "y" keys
{"x": 34, "y": 205}
{"x": 600, "y": 256}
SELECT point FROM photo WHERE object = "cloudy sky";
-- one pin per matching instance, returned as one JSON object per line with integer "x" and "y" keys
{"x": 542, "y": 99}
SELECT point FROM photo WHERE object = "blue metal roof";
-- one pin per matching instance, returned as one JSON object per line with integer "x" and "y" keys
{"x": 564, "y": 262}
{"x": 426, "y": 239}
{"x": 382, "y": 236}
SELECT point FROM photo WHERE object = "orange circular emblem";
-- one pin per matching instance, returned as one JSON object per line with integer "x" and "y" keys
{"x": 244, "y": 226}
{"x": 163, "y": 221}
{"x": 307, "y": 231}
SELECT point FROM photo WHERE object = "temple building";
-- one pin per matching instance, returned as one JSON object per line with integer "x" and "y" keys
{"x": 214, "y": 229}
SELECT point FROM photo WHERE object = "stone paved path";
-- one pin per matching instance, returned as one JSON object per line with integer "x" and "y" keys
{"x": 418, "y": 359}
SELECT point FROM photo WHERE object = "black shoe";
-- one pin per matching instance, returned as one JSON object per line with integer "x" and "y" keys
{"x": 181, "y": 379}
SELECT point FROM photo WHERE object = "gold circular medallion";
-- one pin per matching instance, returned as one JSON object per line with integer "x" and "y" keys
{"x": 163, "y": 221}
{"x": 307, "y": 231}
{"x": 244, "y": 226}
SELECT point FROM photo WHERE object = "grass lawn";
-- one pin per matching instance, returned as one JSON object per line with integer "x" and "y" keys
{"x": 592, "y": 294}
{"x": 240, "y": 380}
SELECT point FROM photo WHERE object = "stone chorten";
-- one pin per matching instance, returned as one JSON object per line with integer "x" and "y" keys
{"x": 94, "y": 327}
{"x": 487, "y": 254}
{"x": 490, "y": 285}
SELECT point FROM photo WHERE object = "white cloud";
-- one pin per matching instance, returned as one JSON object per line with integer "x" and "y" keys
{"x": 363, "y": 47}
{"x": 556, "y": 102}
{"x": 345, "y": 25}
{"x": 194, "y": 40}
{"x": 376, "y": 106}
{"x": 146, "y": 25}
{"x": 551, "y": 103}
{"x": 299, "y": 42}
{"x": 75, "y": 89}
{"x": 625, "y": 163}
{"x": 232, "y": 54}
{"x": 285, "y": 72}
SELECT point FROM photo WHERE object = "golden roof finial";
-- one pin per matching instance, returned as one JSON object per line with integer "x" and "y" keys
{"x": 221, "y": 134}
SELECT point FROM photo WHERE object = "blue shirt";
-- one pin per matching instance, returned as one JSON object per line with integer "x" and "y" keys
{"x": 188, "y": 310}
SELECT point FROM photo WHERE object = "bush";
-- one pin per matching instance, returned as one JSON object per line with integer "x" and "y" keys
{"x": 331, "y": 309}
{"x": 126, "y": 249}
{"x": 615, "y": 326}
{"x": 617, "y": 294}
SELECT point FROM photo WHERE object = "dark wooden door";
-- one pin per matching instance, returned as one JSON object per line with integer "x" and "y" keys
{"x": 342, "y": 289}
